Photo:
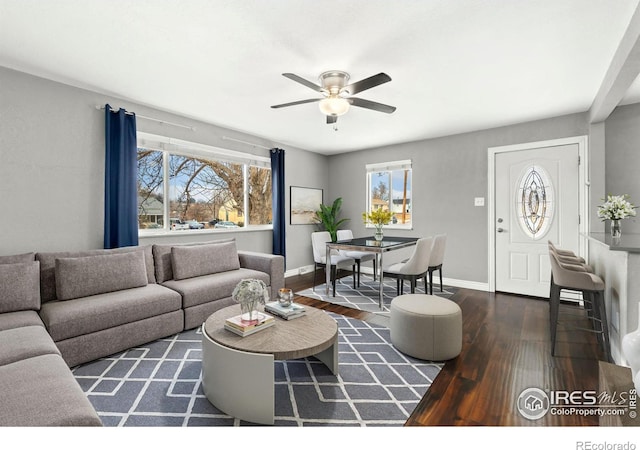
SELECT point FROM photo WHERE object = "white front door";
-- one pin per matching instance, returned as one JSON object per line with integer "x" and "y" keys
{"x": 536, "y": 200}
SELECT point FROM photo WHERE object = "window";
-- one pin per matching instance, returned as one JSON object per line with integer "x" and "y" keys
{"x": 389, "y": 188}
{"x": 206, "y": 187}
{"x": 534, "y": 202}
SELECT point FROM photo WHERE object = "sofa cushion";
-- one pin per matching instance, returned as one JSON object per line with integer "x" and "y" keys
{"x": 41, "y": 391}
{"x": 48, "y": 266}
{"x": 19, "y": 287}
{"x": 25, "y": 342}
{"x": 208, "y": 288}
{"x": 92, "y": 275}
{"x": 162, "y": 257}
{"x": 194, "y": 261}
{"x": 18, "y": 259}
{"x": 71, "y": 318}
{"x": 19, "y": 319}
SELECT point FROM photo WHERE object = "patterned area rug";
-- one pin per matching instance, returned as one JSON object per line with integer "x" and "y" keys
{"x": 365, "y": 297}
{"x": 159, "y": 384}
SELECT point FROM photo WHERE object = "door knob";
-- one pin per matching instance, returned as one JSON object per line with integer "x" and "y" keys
{"x": 500, "y": 230}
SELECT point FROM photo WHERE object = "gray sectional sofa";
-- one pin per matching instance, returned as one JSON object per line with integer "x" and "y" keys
{"x": 61, "y": 309}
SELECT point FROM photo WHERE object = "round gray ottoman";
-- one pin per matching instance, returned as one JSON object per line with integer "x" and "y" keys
{"x": 426, "y": 326}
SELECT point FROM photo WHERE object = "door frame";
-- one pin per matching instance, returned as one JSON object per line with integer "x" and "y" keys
{"x": 583, "y": 192}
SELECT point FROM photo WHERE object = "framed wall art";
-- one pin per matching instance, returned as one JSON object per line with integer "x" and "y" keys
{"x": 304, "y": 203}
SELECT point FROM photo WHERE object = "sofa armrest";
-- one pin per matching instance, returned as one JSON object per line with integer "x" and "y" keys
{"x": 264, "y": 262}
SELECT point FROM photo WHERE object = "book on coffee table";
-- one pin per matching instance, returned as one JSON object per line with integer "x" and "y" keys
{"x": 285, "y": 312}
{"x": 237, "y": 326}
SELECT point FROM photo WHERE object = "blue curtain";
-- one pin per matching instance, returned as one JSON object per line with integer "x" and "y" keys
{"x": 277, "y": 201}
{"x": 120, "y": 184}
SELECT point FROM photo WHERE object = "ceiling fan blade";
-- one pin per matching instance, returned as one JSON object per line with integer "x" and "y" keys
{"x": 309, "y": 84}
{"x": 362, "y": 103}
{"x": 299, "y": 102}
{"x": 367, "y": 83}
{"x": 332, "y": 119}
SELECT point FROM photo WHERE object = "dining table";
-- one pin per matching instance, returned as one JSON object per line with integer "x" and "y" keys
{"x": 369, "y": 244}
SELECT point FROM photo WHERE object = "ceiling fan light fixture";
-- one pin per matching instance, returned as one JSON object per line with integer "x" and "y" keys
{"x": 333, "y": 106}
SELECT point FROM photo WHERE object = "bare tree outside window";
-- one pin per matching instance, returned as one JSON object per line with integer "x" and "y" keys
{"x": 202, "y": 192}
{"x": 150, "y": 189}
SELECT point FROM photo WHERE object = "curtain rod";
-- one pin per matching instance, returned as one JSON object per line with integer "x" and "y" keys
{"x": 152, "y": 119}
{"x": 226, "y": 138}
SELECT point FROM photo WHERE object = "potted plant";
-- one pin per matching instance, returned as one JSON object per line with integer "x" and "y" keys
{"x": 377, "y": 218}
{"x": 327, "y": 217}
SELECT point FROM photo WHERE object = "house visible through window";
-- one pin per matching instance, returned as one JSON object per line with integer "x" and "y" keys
{"x": 189, "y": 186}
{"x": 389, "y": 189}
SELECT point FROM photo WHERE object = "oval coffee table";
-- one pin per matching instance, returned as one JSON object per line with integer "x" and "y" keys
{"x": 238, "y": 372}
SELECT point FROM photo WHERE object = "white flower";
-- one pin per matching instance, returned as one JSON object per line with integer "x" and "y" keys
{"x": 616, "y": 207}
{"x": 251, "y": 290}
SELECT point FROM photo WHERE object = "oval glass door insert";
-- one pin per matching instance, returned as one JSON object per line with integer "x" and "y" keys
{"x": 534, "y": 202}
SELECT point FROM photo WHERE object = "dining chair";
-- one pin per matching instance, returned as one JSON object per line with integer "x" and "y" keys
{"x": 358, "y": 256}
{"x": 319, "y": 241}
{"x": 574, "y": 277}
{"x": 435, "y": 263}
{"x": 414, "y": 268}
{"x": 567, "y": 256}
{"x": 569, "y": 260}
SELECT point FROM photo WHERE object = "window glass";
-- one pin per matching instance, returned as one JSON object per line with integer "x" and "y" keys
{"x": 389, "y": 189}
{"x": 150, "y": 189}
{"x": 534, "y": 202}
{"x": 203, "y": 192}
{"x": 260, "y": 212}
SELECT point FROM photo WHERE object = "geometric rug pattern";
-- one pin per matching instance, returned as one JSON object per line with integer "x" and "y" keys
{"x": 365, "y": 297}
{"x": 160, "y": 384}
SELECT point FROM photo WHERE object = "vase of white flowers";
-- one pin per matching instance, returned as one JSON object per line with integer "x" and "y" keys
{"x": 250, "y": 293}
{"x": 616, "y": 208}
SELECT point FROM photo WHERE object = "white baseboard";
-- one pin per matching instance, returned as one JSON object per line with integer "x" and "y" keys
{"x": 478, "y": 286}
{"x": 299, "y": 271}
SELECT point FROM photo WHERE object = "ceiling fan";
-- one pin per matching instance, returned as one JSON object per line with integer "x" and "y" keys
{"x": 336, "y": 93}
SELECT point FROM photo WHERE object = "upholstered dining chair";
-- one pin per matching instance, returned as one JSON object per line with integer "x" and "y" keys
{"x": 319, "y": 241}
{"x": 358, "y": 256}
{"x": 435, "y": 263}
{"x": 414, "y": 268}
{"x": 575, "y": 277}
{"x": 567, "y": 256}
{"x": 571, "y": 261}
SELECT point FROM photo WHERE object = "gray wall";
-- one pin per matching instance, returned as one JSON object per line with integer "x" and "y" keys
{"x": 52, "y": 167}
{"x": 447, "y": 174}
{"x": 304, "y": 169}
{"x": 52, "y": 170}
{"x": 622, "y": 137}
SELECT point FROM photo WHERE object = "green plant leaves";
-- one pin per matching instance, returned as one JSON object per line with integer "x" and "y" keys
{"x": 328, "y": 218}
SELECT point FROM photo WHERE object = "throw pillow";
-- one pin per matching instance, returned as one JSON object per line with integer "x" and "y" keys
{"x": 48, "y": 266}
{"x": 19, "y": 287}
{"x": 98, "y": 274}
{"x": 162, "y": 258}
{"x": 18, "y": 259}
{"x": 189, "y": 262}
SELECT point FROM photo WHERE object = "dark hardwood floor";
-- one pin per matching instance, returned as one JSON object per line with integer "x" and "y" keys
{"x": 506, "y": 349}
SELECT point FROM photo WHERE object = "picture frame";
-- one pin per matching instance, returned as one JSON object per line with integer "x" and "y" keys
{"x": 304, "y": 203}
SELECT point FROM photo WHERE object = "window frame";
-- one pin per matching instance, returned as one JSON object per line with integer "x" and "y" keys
{"x": 171, "y": 146}
{"x": 390, "y": 166}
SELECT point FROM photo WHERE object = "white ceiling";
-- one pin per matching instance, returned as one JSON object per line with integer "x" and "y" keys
{"x": 456, "y": 65}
